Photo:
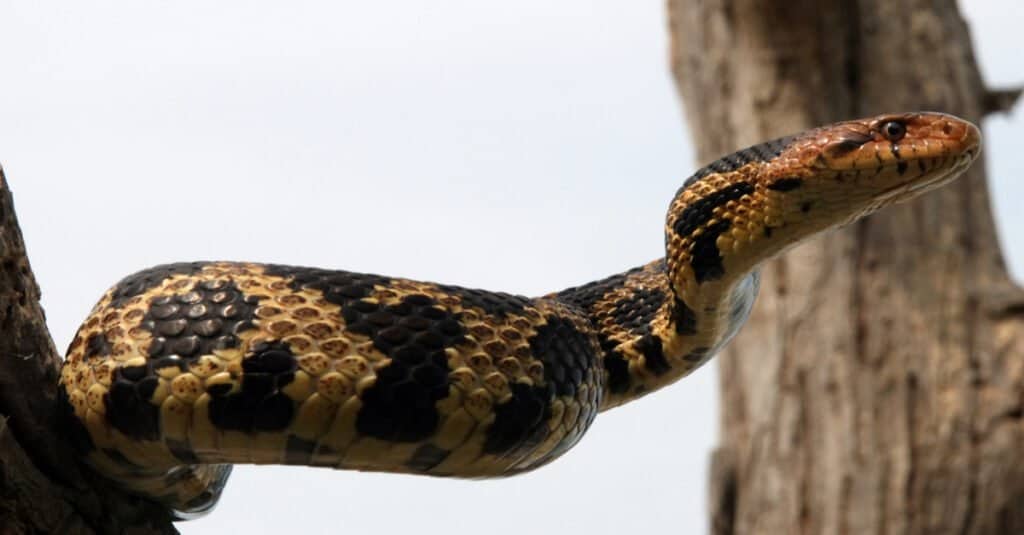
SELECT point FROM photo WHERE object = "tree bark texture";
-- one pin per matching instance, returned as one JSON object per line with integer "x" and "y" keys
{"x": 43, "y": 489}
{"x": 879, "y": 385}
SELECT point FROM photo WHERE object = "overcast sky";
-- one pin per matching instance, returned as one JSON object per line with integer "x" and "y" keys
{"x": 522, "y": 146}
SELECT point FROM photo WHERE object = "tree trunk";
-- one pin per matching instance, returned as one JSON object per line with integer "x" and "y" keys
{"x": 43, "y": 489}
{"x": 878, "y": 386}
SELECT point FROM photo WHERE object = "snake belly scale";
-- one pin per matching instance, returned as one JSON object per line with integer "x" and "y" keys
{"x": 184, "y": 369}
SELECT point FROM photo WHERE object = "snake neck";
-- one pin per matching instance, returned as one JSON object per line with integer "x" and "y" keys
{"x": 649, "y": 335}
{"x": 659, "y": 322}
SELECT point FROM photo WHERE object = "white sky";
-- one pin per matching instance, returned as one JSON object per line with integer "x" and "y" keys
{"x": 522, "y": 146}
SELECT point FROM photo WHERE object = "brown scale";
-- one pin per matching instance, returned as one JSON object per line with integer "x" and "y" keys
{"x": 184, "y": 369}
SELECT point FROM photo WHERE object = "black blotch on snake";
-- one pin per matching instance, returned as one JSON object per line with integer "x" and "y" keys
{"x": 762, "y": 152}
{"x": 568, "y": 354}
{"x": 259, "y": 405}
{"x": 497, "y": 304}
{"x": 137, "y": 283}
{"x": 786, "y": 184}
{"x": 207, "y": 317}
{"x": 706, "y": 259}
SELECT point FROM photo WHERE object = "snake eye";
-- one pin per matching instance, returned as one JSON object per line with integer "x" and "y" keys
{"x": 894, "y": 130}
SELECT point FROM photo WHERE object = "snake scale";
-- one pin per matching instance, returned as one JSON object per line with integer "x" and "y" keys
{"x": 183, "y": 369}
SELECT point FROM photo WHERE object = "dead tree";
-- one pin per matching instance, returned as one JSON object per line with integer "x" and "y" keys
{"x": 43, "y": 489}
{"x": 879, "y": 385}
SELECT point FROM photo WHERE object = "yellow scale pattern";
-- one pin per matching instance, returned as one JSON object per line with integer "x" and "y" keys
{"x": 334, "y": 369}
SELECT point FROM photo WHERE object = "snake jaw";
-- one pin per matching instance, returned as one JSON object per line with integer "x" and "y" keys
{"x": 913, "y": 188}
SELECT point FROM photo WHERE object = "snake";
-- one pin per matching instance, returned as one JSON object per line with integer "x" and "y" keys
{"x": 182, "y": 370}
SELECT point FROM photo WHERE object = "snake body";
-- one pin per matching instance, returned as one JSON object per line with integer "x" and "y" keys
{"x": 182, "y": 370}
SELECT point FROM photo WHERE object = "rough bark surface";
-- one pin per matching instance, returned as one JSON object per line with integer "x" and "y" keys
{"x": 878, "y": 386}
{"x": 43, "y": 489}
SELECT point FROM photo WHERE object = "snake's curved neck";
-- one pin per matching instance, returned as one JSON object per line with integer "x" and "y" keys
{"x": 659, "y": 322}
{"x": 651, "y": 336}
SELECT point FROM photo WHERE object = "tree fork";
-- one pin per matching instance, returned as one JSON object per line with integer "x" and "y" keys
{"x": 878, "y": 385}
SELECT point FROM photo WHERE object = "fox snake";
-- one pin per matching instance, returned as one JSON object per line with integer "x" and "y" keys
{"x": 183, "y": 369}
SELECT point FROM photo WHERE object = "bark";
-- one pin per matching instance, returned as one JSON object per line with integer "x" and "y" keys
{"x": 43, "y": 487}
{"x": 878, "y": 386}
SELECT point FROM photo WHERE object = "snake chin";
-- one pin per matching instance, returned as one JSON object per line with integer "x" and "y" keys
{"x": 913, "y": 188}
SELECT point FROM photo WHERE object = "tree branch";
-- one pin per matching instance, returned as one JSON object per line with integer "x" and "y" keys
{"x": 44, "y": 488}
{"x": 1000, "y": 100}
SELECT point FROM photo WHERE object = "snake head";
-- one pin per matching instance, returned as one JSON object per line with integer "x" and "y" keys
{"x": 856, "y": 167}
{"x": 893, "y": 152}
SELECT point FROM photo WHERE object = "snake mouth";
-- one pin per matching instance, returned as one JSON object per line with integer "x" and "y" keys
{"x": 941, "y": 176}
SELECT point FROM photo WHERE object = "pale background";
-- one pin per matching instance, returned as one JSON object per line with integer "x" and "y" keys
{"x": 523, "y": 146}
